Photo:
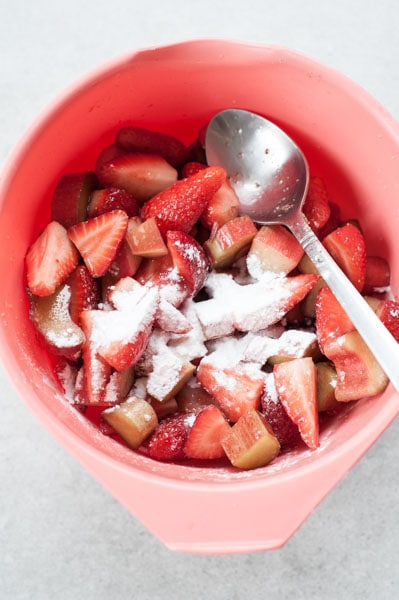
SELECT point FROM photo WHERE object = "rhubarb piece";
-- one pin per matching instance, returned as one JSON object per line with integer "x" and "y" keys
{"x": 205, "y": 436}
{"x": 169, "y": 374}
{"x": 193, "y": 397}
{"x": 94, "y": 375}
{"x": 273, "y": 249}
{"x": 296, "y": 385}
{"x": 119, "y": 386}
{"x": 251, "y": 443}
{"x": 358, "y": 373}
{"x": 51, "y": 316}
{"x": 144, "y": 238}
{"x": 98, "y": 239}
{"x": 326, "y": 385}
{"x": 164, "y": 409}
{"x": 230, "y": 242}
{"x": 71, "y": 198}
{"x": 50, "y": 259}
{"x": 346, "y": 245}
{"x": 139, "y": 139}
{"x": 179, "y": 207}
{"x": 235, "y": 390}
{"x": 134, "y": 420}
{"x": 141, "y": 175}
{"x": 107, "y": 199}
{"x": 188, "y": 258}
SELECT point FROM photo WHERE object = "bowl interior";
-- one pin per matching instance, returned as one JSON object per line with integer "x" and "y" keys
{"x": 346, "y": 136}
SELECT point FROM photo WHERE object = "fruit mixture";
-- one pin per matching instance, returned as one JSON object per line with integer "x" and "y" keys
{"x": 185, "y": 330}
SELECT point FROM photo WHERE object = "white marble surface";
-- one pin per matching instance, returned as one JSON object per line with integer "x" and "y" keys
{"x": 61, "y": 535}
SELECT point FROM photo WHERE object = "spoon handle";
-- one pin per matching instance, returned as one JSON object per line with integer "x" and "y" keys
{"x": 381, "y": 343}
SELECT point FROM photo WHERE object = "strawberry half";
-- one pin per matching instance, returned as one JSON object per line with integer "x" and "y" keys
{"x": 189, "y": 258}
{"x": 180, "y": 206}
{"x": 275, "y": 414}
{"x": 71, "y": 198}
{"x": 296, "y": 385}
{"x": 234, "y": 390}
{"x": 98, "y": 239}
{"x": 317, "y": 206}
{"x": 50, "y": 259}
{"x": 331, "y": 319}
{"x": 142, "y": 175}
{"x": 107, "y": 199}
{"x": 169, "y": 438}
{"x": 139, "y": 139}
{"x": 85, "y": 292}
{"x": 204, "y": 438}
{"x": 347, "y": 246}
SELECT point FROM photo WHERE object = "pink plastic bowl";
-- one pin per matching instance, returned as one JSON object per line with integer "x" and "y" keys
{"x": 348, "y": 139}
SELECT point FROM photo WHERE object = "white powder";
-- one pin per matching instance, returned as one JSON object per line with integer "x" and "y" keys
{"x": 165, "y": 374}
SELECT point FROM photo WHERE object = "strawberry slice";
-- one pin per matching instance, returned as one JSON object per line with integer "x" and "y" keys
{"x": 71, "y": 198}
{"x": 98, "y": 239}
{"x": 180, "y": 206}
{"x": 317, "y": 206}
{"x": 85, "y": 292}
{"x": 107, "y": 199}
{"x": 378, "y": 275}
{"x": 388, "y": 312}
{"x": 120, "y": 336}
{"x": 50, "y": 259}
{"x": 331, "y": 319}
{"x": 224, "y": 204}
{"x": 204, "y": 438}
{"x": 160, "y": 273}
{"x": 275, "y": 414}
{"x": 274, "y": 249}
{"x": 189, "y": 258}
{"x": 234, "y": 390}
{"x": 347, "y": 246}
{"x": 142, "y": 175}
{"x": 94, "y": 376}
{"x": 169, "y": 438}
{"x": 125, "y": 263}
{"x": 296, "y": 385}
{"x": 139, "y": 139}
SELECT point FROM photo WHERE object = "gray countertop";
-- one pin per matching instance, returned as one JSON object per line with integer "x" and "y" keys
{"x": 61, "y": 534}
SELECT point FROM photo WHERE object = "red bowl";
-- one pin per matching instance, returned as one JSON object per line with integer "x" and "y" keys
{"x": 348, "y": 139}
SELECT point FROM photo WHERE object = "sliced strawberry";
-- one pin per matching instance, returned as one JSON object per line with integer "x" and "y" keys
{"x": 169, "y": 438}
{"x": 125, "y": 263}
{"x": 120, "y": 336}
{"x": 378, "y": 275}
{"x": 388, "y": 312}
{"x": 94, "y": 376}
{"x": 85, "y": 292}
{"x": 142, "y": 175}
{"x": 273, "y": 249}
{"x": 138, "y": 139}
{"x": 50, "y": 259}
{"x": 107, "y": 199}
{"x": 205, "y": 436}
{"x": 296, "y": 385}
{"x": 189, "y": 258}
{"x": 347, "y": 246}
{"x": 193, "y": 397}
{"x": 144, "y": 238}
{"x": 180, "y": 206}
{"x": 331, "y": 319}
{"x": 317, "y": 206}
{"x": 358, "y": 373}
{"x": 107, "y": 155}
{"x": 161, "y": 273}
{"x": 275, "y": 414}
{"x": 98, "y": 239}
{"x": 234, "y": 390}
{"x": 71, "y": 198}
{"x": 224, "y": 204}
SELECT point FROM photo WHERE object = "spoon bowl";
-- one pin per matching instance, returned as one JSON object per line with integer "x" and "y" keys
{"x": 270, "y": 175}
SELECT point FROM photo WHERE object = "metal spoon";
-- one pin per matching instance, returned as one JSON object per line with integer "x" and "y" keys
{"x": 270, "y": 175}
